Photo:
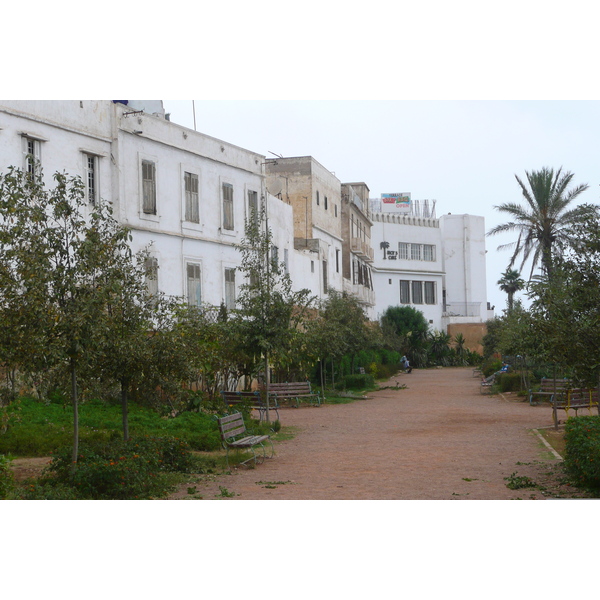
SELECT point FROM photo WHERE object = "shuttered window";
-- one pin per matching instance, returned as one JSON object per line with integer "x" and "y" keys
{"x": 404, "y": 292}
{"x": 230, "y": 288}
{"x": 417, "y": 292}
{"x": 194, "y": 285}
{"x": 192, "y": 209}
{"x": 252, "y": 205}
{"x": 151, "y": 273}
{"x": 32, "y": 154}
{"x": 227, "y": 206}
{"x": 149, "y": 187}
{"x": 429, "y": 287}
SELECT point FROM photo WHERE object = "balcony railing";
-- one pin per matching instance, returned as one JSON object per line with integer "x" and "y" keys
{"x": 462, "y": 309}
{"x": 362, "y": 249}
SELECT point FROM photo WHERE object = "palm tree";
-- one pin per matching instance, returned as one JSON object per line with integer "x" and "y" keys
{"x": 543, "y": 222}
{"x": 511, "y": 283}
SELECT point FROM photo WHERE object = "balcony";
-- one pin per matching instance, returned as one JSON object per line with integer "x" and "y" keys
{"x": 462, "y": 309}
{"x": 363, "y": 294}
{"x": 362, "y": 249}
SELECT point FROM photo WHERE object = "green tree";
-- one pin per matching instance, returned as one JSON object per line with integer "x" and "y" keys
{"x": 566, "y": 309}
{"x": 341, "y": 329}
{"x": 406, "y": 330}
{"x": 511, "y": 283}
{"x": 66, "y": 265}
{"x": 544, "y": 220}
{"x": 270, "y": 312}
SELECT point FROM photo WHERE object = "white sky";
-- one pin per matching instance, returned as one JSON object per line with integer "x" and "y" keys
{"x": 463, "y": 154}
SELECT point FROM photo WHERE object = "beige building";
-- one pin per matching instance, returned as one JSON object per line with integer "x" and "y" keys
{"x": 357, "y": 251}
{"x": 315, "y": 196}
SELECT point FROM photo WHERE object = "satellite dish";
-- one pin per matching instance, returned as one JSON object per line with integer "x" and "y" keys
{"x": 275, "y": 187}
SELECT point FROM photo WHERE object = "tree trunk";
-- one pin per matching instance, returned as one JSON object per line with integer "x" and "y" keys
{"x": 267, "y": 378}
{"x": 75, "y": 416}
{"x": 124, "y": 410}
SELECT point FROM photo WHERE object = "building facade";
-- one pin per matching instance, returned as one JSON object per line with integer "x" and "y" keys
{"x": 184, "y": 195}
{"x": 357, "y": 249}
{"x": 314, "y": 193}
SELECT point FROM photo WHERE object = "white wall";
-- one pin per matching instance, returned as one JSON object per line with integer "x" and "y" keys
{"x": 387, "y": 272}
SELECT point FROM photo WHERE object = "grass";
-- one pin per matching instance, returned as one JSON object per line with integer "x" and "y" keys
{"x": 42, "y": 428}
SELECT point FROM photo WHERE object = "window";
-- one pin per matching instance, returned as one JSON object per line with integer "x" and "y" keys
{"x": 415, "y": 251}
{"x": 429, "y": 252}
{"x": 32, "y": 155}
{"x": 317, "y": 197}
{"x": 417, "y": 292}
{"x": 192, "y": 206}
{"x": 91, "y": 178}
{"x": 312, "y": 266}
{"x": 230, "y": 288}
{"x": 194, "y": 285}
{"x": 151, "y": 273}
{"x": 429, "y": 287}
{"x": 148, "y": 187}
{"x": 252, "y": 205}
{"x": 228, "y": 206}
{"x": 286, "y": 259}
{"x": 325, "y": 276}
{"x": 403, "y": 250}
{"x": 404, "y": 292}
{"x": 337, "y": 260}
{"x": 275, "y": 258}
{"x": 335, "y": 209}
{"x": 325, "y": 203}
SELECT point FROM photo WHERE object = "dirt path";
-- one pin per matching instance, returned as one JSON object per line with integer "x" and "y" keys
{"x": 438, "y": 439}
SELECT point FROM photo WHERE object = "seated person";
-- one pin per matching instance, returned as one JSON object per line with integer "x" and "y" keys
{"x": 504, "y": 369}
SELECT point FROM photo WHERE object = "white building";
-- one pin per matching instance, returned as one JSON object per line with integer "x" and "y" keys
{"x": 186, "y": 196}
{"x": 183, "y": 194}
{"x": 435, "y": 265}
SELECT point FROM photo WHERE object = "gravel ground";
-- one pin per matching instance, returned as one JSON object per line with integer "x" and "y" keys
{"x": 438, "y": 439}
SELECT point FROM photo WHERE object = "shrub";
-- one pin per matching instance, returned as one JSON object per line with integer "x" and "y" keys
{"x": 509, "y": 382}
{"x": 358, "y": 382}
{"x": 6, "y": 476}
{"x": 582, "y": 450}
{"x": 122, "y": 470}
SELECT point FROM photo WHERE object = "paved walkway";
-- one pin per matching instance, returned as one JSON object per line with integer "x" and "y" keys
{"x": 437, "y": 439}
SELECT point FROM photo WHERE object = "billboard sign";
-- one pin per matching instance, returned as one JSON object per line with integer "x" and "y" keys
{"x": 399, "y": 202}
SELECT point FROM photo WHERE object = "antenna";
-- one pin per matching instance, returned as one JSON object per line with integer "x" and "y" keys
{"x": 277, "y": 155}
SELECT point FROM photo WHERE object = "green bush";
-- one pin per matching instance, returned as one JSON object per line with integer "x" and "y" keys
{"x": 582, "y": 450}
{"x": 509, "y": 382}
{"x": 358, "y": 382}
{"x": 6, "y": 476}
{"x": 121, "y": 470}
{"x": 385, "y": 371}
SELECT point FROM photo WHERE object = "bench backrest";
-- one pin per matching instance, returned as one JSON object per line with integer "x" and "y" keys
{"x": 294, "y": 387}
{"x": 583, "y": 396}
{"x": 231, "y": 426}
{"x": 549, "y": 385}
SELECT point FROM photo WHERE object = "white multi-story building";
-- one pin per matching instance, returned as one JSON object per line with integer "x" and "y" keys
{"x": 183, "y": 194}
{"x": 434, "y": 265}
{"x": 186, "y": 196}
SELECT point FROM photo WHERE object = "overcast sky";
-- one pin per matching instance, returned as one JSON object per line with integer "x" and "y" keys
{"x": 463, "y": 154}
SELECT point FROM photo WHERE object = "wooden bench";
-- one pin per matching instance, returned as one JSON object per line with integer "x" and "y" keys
{"x": 295, "y": 392}
{"x": 477, "y": 372}
{"x": 575, "y": 399}
{"x": 235, "y": 436}
{"x": 549, "y": 388}
{"x": 252, "y": 400}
